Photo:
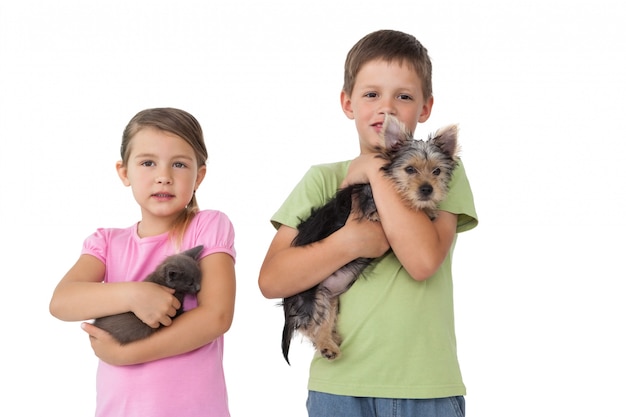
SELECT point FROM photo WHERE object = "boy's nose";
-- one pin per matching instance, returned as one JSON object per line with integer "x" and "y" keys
{"x": 386, "y": 107}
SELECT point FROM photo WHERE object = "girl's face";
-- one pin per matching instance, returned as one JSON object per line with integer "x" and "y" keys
{"x": 385, "y": 87}
{"x": 163, "y": 172}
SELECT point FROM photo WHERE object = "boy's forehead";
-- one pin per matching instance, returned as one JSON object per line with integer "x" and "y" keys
{"x": 372, "y": 70}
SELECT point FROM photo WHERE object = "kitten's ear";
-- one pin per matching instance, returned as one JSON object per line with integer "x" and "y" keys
{"x": 193, "y": 252}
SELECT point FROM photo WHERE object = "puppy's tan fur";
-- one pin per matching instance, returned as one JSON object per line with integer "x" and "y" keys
{"x": 421, "y": 171}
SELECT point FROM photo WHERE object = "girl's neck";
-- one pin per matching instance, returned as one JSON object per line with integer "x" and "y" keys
{"x": 153, "y": 227}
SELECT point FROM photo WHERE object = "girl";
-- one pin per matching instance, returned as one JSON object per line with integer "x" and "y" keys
{"x": 178, "y": 370}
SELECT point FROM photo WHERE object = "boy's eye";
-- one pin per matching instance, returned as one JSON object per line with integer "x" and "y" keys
{"x": 371, "y": 95}
{"x": 405, "y": 97}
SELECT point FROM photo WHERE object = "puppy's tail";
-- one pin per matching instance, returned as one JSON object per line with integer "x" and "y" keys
{"x": 296, "y": 316}
{"x": 293, "y": 320}
{"x": 288, "y": 330}
{"x": 298, "y": 309}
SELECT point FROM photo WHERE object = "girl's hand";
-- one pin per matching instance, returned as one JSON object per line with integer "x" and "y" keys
{"x": 154, "y": 304}
{"x": 105, "y": 346}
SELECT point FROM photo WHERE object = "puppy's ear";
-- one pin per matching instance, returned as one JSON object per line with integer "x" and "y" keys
{"x": 446, "y": 139}
{"x": 394, "y": 133}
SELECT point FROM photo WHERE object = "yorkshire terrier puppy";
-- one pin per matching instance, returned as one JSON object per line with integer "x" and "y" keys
{"x": 420, "y": 171}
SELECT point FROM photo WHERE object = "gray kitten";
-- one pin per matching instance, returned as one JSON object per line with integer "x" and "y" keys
{"x": 180, "y": 272}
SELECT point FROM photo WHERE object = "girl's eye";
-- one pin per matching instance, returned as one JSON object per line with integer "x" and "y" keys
{"x": 147, "y": 163}
{"x": 179, "y": 165}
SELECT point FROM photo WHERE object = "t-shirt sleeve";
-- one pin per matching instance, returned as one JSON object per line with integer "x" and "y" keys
{"x": 460, "y": 200}
{"x": 96, "y": 245}
{"x": 321, "y": 182}
{"x": 214, "y": 230}
{"x": 318, "y": 185}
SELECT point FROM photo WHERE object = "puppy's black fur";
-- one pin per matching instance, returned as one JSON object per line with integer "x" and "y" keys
{"x": 421, "y": 171}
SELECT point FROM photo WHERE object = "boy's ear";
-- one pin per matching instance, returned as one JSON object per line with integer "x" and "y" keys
{"x": 428, "y": 107}
{"x": 346, "y": 105}
{"x": 122, "y": 172}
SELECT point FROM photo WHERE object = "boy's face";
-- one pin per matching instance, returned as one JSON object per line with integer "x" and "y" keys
{"x": 385, "y": 87}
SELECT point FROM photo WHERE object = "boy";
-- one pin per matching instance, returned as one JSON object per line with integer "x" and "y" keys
{"x": 397, "y": 324}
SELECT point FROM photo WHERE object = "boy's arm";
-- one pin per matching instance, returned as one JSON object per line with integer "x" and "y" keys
{"x": 195, "y": 328}
{"x": 288, "y": 270}
{"x": 421, "y": 245}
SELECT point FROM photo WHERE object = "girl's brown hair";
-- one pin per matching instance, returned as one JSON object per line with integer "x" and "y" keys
{"x": 183, "y": 125}
{"x": 389, "y": 45}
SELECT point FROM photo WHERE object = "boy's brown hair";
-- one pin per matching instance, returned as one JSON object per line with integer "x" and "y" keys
{"x": 390, "y": 46}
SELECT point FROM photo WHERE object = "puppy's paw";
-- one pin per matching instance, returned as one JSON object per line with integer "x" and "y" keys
{"x": 373, "y": 217}
{"x": 330, "y": 353}
{"x": 337, "y": 339}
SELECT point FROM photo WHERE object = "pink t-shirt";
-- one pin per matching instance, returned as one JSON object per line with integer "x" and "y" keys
{"x": 191, "y": 384}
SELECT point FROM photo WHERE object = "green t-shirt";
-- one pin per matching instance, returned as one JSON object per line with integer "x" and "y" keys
{"x": 398, "y": 334}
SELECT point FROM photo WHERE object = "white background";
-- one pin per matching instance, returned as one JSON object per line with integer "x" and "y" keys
{"x": 537, "y": 87}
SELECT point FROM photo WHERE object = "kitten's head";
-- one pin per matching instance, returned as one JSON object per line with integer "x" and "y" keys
{"x": 182, "y": 271}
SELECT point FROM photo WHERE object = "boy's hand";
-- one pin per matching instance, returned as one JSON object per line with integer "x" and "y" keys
{"x": 362, "y": 168}
{"x": 368, "y": 238}
{"x": 154, "y": 304}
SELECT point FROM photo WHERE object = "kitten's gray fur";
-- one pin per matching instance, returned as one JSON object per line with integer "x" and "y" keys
{"x": 180, "y": 272}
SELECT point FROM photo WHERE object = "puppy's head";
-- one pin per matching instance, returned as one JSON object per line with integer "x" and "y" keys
{"x": 421, "y": 170}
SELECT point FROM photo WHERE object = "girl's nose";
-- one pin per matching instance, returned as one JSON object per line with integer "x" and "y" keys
{"x": 163, "y": 180}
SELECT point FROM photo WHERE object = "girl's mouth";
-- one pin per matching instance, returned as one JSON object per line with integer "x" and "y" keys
{"x": 162, "y": 195}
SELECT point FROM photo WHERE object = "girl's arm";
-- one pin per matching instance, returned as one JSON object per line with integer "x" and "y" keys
{"x": 81, "y": 295}
{"x": 193, "y": 329}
